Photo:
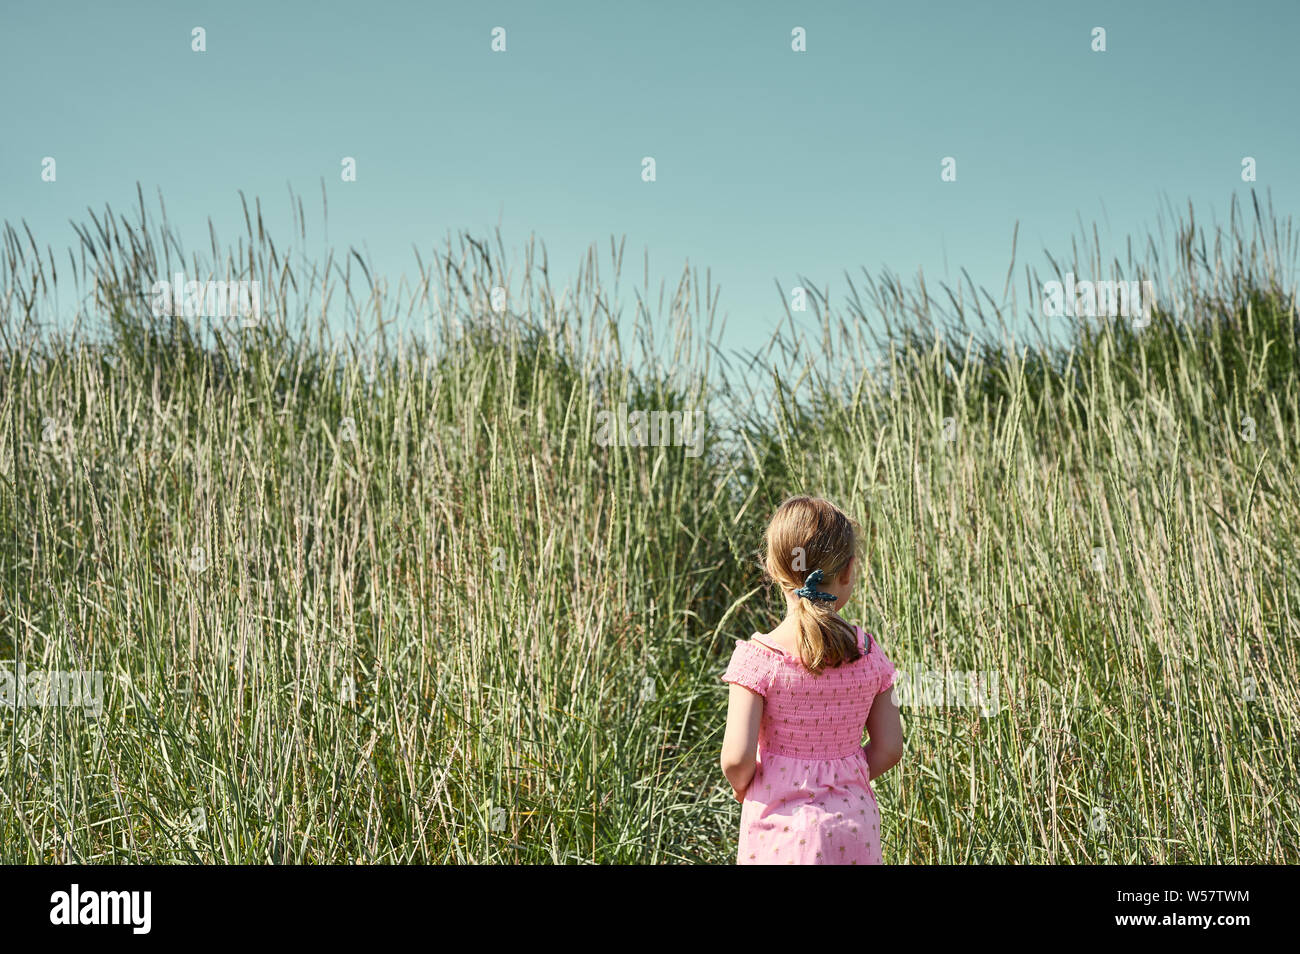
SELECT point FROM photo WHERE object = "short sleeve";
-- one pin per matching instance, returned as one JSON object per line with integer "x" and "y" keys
{"x": 884, "y": 667}
{"x": 751, "y": 667}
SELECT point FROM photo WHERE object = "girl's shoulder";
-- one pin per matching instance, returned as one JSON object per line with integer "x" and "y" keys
{"x": 879, "y": 662}
{"x": 752, "y": 665}
{"x": 764, "y": 643}
{"x": 762, "y": 649}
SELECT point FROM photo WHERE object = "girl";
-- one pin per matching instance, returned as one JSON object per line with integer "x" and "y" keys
{"x": 800, "y": 696}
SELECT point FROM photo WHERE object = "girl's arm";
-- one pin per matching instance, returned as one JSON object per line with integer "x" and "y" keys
{"x": 885, "y": 730}
{"x": 740, "y": 743}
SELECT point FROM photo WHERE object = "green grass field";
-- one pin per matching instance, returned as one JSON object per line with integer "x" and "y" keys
{"x": 382, "y": 596}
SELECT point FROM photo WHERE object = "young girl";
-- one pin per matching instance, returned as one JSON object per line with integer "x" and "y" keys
{"x": 800, "y": 696}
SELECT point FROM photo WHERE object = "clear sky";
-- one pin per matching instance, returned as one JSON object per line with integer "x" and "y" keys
{"x": 770, "y": 163}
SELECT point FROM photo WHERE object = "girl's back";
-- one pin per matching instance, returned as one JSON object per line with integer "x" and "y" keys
{"x": 810, "y": 801}
{"x": 807, "y": 716}
{"x": 799, "y": 701}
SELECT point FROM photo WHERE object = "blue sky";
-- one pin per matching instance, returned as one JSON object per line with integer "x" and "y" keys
{"x": 771, "y": 164}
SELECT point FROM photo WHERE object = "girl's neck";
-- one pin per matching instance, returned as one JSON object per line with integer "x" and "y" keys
{"x": 785, "y": 635}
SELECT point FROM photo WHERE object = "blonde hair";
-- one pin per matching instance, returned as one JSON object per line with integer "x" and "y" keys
{"x": 807, "y": 534}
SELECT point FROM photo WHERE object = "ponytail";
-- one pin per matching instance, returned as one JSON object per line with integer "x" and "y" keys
{"x": 813, "y": 530}
{"x": 825, "y": 640}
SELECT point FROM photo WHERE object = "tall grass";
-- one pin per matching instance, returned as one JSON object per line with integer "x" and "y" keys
{"x": 380, "y": 596}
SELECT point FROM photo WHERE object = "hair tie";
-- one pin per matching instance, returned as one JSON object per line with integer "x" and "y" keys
{"x": 809, "y": 589}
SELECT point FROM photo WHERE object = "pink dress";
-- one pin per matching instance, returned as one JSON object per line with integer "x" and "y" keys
{"x": 810, "y": 802}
